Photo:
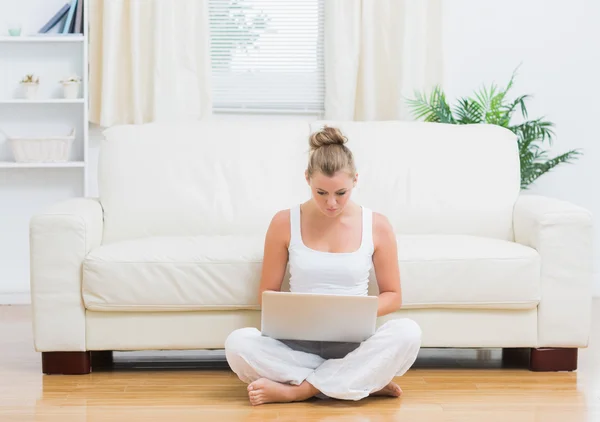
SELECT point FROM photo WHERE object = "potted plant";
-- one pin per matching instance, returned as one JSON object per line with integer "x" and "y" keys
{"x": 71, "y": 87}
{"x": 30, "y": 85}
{"x": 14, "y": 29}
{"x": 491, "y": 106}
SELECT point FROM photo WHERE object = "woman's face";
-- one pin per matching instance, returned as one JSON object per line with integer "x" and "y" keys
{"x": 331, "y": 194}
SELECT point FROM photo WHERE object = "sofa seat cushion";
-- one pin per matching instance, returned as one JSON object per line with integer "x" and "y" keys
{"x": 461, "y": 271}
{"x": 223, "y": 272}
{"x": 174, "y": 273}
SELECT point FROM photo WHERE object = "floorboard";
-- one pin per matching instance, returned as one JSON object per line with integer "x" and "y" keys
{"x": 444, "y": 385}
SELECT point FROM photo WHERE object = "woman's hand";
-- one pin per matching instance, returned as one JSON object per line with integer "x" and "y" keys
{"x": 385, "y": 262}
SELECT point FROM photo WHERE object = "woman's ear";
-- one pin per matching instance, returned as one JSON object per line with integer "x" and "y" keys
{"x": 306, "y": 177}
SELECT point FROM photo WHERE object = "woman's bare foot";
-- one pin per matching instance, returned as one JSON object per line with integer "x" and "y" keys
{"x": 264, "y": 391}
{"x": 390, "y": 390}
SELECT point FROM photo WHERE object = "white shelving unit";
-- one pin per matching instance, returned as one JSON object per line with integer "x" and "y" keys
{"x": 51, "y": 57}
{"x": 28, "y": 188}
{"x": 39, "y": 38}
{"x": 43, "y": 101}
{"x": 70, "y": 164}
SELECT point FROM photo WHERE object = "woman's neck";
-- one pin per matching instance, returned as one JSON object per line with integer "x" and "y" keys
{"x": 312, "y": 211}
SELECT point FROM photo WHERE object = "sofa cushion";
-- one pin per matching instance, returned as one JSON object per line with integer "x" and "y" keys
{"x": 422, "y": 175}
{"x": 223, "y": 272}
{"x": 174, "y": 273}
{"x": 458, "y": 271}
{"x": 211, "y": 178}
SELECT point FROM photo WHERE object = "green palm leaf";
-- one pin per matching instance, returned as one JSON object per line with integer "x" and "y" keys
{"x": 432, "y": 109}
{"x": 490, "y": 105}
{"x": 468, "y": 112}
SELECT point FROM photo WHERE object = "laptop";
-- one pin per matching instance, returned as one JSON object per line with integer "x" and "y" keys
{"x": 318, "y": 317}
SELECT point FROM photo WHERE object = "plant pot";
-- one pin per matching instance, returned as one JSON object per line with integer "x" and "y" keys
{"x": 71, "y": 90}
{"x": 30, "y": 90}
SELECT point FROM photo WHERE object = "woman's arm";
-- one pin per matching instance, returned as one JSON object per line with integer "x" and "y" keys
{"x": 275, "y": 256}
{"x": 385, "y": 261}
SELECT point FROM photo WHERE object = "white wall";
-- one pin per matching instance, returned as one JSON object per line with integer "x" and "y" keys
{"x": 556, "y": 42}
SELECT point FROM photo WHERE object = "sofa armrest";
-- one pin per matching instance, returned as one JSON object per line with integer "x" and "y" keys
{"x": 562, "y": 234}
{"x": 60, "y": 238}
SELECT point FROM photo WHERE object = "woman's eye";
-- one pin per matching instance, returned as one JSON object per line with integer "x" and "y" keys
{"x": 341, "y": 193}
{"x": 321, "y": 193}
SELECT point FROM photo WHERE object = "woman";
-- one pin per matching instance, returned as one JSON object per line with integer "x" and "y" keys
{"x": 331, "y": 244}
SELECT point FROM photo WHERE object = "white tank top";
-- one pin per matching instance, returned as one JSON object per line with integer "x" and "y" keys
{"x": 346, "y": 273}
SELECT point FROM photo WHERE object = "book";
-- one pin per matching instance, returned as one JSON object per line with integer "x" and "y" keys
{"x": 79, "y": 18}
{"x": 69, "y": 21}
{"x": 55, "y": 19}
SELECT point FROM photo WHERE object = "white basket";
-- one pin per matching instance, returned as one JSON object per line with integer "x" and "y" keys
{"x": 47, "y": 149}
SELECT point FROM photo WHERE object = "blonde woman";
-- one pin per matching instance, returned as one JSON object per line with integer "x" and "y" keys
{"x": 331, "y": 244}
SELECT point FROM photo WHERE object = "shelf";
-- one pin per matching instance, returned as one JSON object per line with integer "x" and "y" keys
{"x": 42, "y": 101}
{"x": 42, "y": 38}
{"x": 12, "y": 164}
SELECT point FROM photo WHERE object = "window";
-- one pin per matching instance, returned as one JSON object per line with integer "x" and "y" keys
{"x": 267, "y": 55}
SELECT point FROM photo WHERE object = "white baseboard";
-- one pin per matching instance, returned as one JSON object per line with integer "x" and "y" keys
{"x": 15, "y": 298}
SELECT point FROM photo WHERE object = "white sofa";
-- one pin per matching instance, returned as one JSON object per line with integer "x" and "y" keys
{"x": 169, "y": 255}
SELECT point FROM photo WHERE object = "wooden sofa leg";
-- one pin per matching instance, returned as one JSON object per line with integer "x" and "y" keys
{"x": 66, "y": 363}
{"x": 550, "y": 359}
{"x": 542, "y": 360}
{"x": 75, "y": 363}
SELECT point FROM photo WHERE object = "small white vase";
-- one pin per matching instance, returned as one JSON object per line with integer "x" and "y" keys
{"x": 71, "y": 90}
{"x": 30, "y": 90}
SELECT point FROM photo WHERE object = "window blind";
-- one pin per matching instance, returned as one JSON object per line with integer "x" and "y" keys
{"x": 267, "y": 55}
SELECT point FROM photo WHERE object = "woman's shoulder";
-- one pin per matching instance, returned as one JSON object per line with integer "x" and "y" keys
{"x": 379, "y": 219}
{"x": 280, "y": 226}
{"x": 281, "y": 217}
{"x": 381, "y": 225}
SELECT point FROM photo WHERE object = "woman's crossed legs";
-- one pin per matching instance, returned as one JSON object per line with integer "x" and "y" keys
{"x": 278, "y": 371}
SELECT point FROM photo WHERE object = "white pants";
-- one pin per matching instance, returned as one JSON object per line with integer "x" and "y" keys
{"x": 347, "y": 371}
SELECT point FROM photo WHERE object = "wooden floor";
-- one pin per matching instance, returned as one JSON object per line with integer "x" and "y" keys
{"x": 444, "y": 385}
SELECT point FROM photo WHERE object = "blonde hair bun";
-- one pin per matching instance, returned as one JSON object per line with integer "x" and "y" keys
{"x": 328, "y": 154}
{"x": 327, "y": 136}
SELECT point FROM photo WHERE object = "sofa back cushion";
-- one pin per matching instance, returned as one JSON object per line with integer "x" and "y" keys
{"x": 436, "y": 178}
{"x": 224, "y": 178}
{"x": 212, "y": 178}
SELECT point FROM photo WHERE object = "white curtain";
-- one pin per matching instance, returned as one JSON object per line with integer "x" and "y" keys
{"x": 149, "y": 61}
{"x": 377, "y": 53}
